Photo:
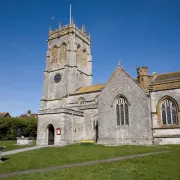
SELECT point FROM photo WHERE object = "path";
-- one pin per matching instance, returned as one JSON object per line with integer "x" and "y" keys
{"x": 20, "y": 150}
{"x": 78, "y": 164}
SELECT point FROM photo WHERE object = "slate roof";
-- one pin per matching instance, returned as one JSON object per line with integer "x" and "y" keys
{"x": 86, "y": 89}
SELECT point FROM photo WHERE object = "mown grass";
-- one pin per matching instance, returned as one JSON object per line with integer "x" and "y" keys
{"x": 11, "y": 145}
{"x": 165, "y": 166}
{"x": 55, "y": 156}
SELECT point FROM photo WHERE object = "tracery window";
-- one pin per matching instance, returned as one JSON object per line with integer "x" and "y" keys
{"x": 168, "y": 112}
{"x": 122, "y": 113}
{"x": 78, "y": 54}
{"x": 63, "y": 53}
{"x": 54, "y": 54}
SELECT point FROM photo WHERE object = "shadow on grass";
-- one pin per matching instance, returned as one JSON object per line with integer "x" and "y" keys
{"x": 4, "y": 159}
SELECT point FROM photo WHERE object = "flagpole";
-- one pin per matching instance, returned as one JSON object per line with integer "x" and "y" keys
{"x": 70, "y": 13}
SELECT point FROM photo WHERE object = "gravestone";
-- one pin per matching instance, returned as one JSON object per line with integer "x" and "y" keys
{"x": 24, "y": 140}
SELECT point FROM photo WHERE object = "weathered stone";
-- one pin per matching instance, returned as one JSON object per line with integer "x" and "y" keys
{"x": 24, "y": 141}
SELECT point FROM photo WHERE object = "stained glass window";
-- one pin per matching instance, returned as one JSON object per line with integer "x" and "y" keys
{"x": 118, "y": 114}
{"x": 168, "y": 112}
{"x": 126, "y": 114}
{"x": 122, "y": 114}
{"x": 122, "y": 111}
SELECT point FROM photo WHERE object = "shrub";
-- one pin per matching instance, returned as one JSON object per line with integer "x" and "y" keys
{"x": 86, "y": 142}
{"x": 9, "y": 127}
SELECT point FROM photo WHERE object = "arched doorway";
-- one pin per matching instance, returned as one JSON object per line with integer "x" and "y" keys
{"x": 50, "y": 134}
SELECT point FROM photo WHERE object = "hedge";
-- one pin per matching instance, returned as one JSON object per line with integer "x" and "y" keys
{"x": 10, "y": 126}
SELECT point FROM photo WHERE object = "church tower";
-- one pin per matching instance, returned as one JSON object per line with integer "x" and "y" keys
{"x": 68, "y": 62}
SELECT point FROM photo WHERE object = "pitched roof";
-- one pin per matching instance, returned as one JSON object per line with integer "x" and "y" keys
{"x": 167, "y": 76}
{"x": 3, "y": 114}
{"x": 93, "y": 88}
{"x": 26, "y": 116}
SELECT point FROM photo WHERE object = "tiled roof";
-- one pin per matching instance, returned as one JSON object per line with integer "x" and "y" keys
{"x": 26, "y": 116}
{"x": 97, "y": 87}
{"x": 3, "y": 114}
{"x": 167, "y": 76}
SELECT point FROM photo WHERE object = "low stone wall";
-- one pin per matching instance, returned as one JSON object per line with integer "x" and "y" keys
{"x": 24, "y": 141}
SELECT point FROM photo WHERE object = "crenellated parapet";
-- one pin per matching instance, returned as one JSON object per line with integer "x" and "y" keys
{"x": 70, "y": 29}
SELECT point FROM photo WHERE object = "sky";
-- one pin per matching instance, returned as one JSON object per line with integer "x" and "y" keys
{"x": 138, "y": 33}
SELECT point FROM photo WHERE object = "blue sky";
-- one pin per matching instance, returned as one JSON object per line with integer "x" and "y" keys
{"x": 141, "y": 32}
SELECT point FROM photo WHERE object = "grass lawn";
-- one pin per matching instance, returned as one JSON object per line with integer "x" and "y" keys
{"x": 165, "y": 166}
{"x": 11, "y": 145}
{"x": 55, "y": 156}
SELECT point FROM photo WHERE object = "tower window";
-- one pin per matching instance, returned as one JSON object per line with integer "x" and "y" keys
{"x": 63, "y": 53}
{"x": 168, "y": 112}
{"x": 122, "y": 113}
{"x": 54, "y": 54}
{"x": 84, "y": 56}
{"x": 78, "y": 54}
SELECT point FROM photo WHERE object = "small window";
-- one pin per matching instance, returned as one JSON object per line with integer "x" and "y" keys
{"x": 81, "y": 101}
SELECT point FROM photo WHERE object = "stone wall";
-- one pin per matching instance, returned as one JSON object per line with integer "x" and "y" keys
{"x": 139, "y": 129}
{"x": 162, "y": 135}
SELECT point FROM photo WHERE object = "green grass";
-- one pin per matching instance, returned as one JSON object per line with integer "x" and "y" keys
{"x": 55, "y": 156}
{"x": 165, "y": 166}
{"x": 11, "y": 145}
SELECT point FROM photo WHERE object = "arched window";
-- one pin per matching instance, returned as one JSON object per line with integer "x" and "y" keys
{"x": 122, "y": 113}
{"x": 54, "y": 54}
{"x": 78, "y": 54}
{"x": 63, "y": 53}
{"x": 168, "y": 112}
{"x": 81, "y": 101}
{"x": 84, "y": 56}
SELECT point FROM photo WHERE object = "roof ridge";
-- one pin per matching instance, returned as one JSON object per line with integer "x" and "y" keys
{"x": 169, "y": 73}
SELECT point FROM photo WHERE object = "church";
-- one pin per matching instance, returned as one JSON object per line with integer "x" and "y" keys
{"x": 124, "y": 111}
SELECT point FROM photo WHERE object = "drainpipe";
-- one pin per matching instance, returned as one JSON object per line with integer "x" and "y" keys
{"x": 151, "y": 118}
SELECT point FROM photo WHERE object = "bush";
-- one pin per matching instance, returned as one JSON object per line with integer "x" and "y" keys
{"x": 86, "y": 142}
{"x": 9, "y": 127}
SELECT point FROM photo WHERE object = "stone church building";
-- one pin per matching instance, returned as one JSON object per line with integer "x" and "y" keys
{"x": 126, "y": 110}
